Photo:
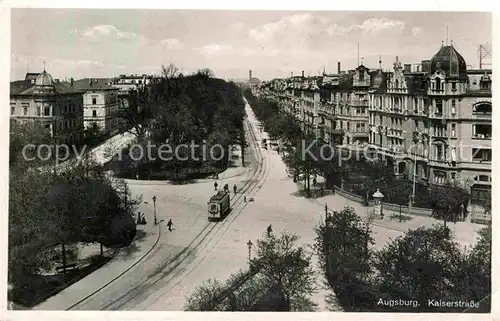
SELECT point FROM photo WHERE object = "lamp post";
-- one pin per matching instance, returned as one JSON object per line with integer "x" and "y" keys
{"x": 249, "y": 244}
{"x": 378, "y": 202}
{"x": 154, "y": 209}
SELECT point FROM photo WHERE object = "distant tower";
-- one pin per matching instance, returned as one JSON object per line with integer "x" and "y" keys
{"x": 250, "y": 74}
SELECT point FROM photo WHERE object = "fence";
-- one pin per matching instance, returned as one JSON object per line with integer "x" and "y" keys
{"x": 477, "y": 215}
{"x": 388, "y": 206}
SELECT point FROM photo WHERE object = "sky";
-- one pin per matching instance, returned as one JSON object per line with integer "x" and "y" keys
{"x": 82, "y": 43}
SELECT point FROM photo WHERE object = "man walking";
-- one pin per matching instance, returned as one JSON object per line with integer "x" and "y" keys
{"x": 235, "y": 188}
{"x": 170, "y": 224}
{"x": 215, "y": 185}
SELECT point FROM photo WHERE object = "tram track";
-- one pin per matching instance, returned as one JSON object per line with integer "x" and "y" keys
{"x": 199, "y": 243}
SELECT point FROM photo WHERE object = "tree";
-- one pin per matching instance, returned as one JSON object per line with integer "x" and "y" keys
{"x": 281, "y": 263}
{"x": 24, "y": 140}
{"x": 204, "y": 297}
{"x": 280, "y": 275}
{"x": 419, "y": 266}
{"x": 343, "y": 244}
{"x": 301, "y": 163}
{"x": 449, "y": 202}
{"x": 205, "y": 73}
{"x": 93, "y": 134}
{"x": 473, "y": 276}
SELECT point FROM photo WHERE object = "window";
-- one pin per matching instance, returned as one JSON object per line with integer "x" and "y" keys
{"x": 482, "y": 108}
{"x": 415, "y": 107}
{"x": 453, "y": 154}
{"x": 481, "y": 154}
{"x": 479, "y": 192}
{"x": 94, "y": 113}
{"x": 484, "y": 178}
{"x": 46, "y": 111}
{"x": 439, "y": 152}
{"x": 481, "y": 131}
{"x": 453, "y": 86}
{"x": 439, "y": 106}
{"x": 438, "y": 83}
{"x": 94, "y": 100}
{"x": 416, "y": 124}
{"x": 12, "y": 110}
{"x": 38, "y": 111}
{"x": 453, "y": 130}
{"x": 453, "y": 176}
{"x": 439, "y": 177}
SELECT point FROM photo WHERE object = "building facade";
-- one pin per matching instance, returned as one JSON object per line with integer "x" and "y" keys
{"x": 100, "y": 104}
{"x": 55, "y": 104}
{"x": 430, "y": 121}
{"x": 433, "y": 124}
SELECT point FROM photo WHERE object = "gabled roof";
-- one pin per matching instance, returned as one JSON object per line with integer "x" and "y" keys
{"x": 94, "y": 84}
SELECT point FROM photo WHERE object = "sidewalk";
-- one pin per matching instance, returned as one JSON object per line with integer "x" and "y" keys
{"x": 123, "y": 261}
{"x": 465, "y": 233}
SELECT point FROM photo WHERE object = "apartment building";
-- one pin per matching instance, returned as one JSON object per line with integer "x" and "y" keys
{"x": 433, "y": 122}
{"x": 57, "y": 105}
{"x": 100, "y": 104}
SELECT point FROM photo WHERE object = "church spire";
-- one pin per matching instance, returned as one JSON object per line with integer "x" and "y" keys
{"x": 380, "y": 61}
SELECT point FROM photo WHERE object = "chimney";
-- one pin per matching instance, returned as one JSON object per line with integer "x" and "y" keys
{"x": 407, "y": 68}
{"x": 338, "y": 67}
{"x": 291, "y": 74}
{"x": 302, "y": 73}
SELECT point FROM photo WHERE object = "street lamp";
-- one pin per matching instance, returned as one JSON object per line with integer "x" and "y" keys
{"x": 249, "y": 244}
{"x": 378, "y": 202}
{"x": 154, "y": 209}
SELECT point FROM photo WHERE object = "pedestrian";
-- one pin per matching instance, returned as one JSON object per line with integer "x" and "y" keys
{"x": 269, "y": 230}
{"x": 235, "y": 188}
{"x": 217, "y": 175}
{"x": 143, "y": 220}
{"x": 226, "y": 188}
{"x": 244, "y": 198}
{"x": 170, "y": 224}
{"x": 139, "y": 221}
{"x": 215, "y": 185}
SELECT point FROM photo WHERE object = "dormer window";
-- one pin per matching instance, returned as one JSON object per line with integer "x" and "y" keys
{"x": 361, "y": 76}
{"x": 485, "y": 83}
{"x": 453, "y": 86}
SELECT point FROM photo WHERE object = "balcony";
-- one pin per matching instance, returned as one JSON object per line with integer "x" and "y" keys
{"x": 359, "y": 103}
{"x": 440, "y": 134}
